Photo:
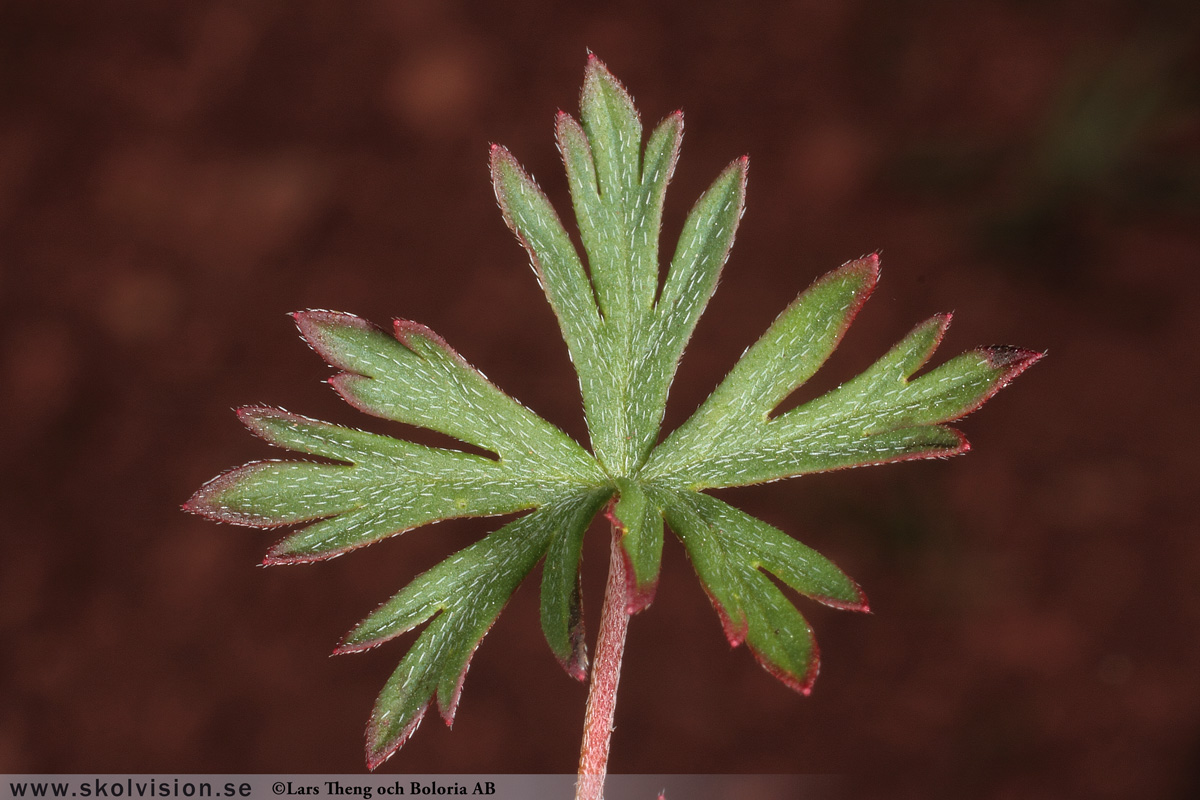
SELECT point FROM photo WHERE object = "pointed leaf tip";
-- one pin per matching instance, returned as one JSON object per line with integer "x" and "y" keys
{"x": 638, "y": 597}
{"x": 859, "y": 605}
{"x": 802, "y": 684}
{"x": 381, "y": 752}
{"x": 1014, "y": 360}
{"x": 735, "y": 630}
{"x": 635, "y": 514}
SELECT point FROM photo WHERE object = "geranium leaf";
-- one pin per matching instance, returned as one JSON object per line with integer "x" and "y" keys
{"x": 562, "y": 598}
{"x": 639, "y": 524}
{"x": 418, "y": 379}
{"x": 878, "y": 417}
{"x": 625, "y": 335}
{"x": 463, "y": 595}
{"x": 727, "y": 548}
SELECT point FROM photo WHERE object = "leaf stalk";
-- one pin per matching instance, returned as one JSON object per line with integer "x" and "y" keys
{"x": 606, "y": 674}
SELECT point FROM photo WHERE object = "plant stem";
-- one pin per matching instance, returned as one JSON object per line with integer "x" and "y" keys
{"x": 606, "y": 674}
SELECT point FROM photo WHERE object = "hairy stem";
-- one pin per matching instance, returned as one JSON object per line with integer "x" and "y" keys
{"x": 606, "y": 674}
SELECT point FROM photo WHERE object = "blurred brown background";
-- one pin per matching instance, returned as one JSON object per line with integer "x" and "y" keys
{"x": 175, "y": 177}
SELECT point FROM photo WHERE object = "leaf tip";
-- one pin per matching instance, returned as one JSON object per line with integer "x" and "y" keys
{"x": 871, "y": 263}
{"x": 859, "y": 604}
{"x": 577, "y": 665}
{"x": 379, "y": 752}
{"x": 802, "y": 684}
{"x": 279, "y": 555}
{"x": 405, "y": 331}
{"x": 575, "y": 660}
{"x": 637, "y": 597}
{"x": 500, "y": 160}
{"x": 1013, "y": 360}
{"x": 346, "y": 647}
{"x": 735, "y": 631}
{"x": 449, "y": 707}
{"x": 210, "y": 500}
{"x": 257, "y": 419}
{"x": 1008, "y": 362}
{"x": 318, "y": 328}
{"x": 595, "y": 73}
{"x": 593, "y": 69}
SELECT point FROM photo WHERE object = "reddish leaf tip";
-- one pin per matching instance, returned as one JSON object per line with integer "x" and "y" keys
{"x": 316, "y": 316}
{"x": 735, "y": 633}
{"x": 251, "y": 416}
{"x": 377, "y": 757}
{"x": 638, "y": 598}
{"x": 1013, "y": 360}
{"x": 845, "y": 605}
{"x": 311, "y": 324}
{"x": 859, "y": 603}
{"x": 872, "y": 262}
{"x": 801, "y": 684}
{"x": 594, "y": 65}
{"x": 405, "y": 329}
{"x": 276, "y": 558}
{"x": 576, "y": 667}
{"x": 498, "y": 155}
{"x": 205, "y": 502}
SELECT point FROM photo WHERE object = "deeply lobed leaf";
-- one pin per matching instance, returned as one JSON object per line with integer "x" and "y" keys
{"x": 625, "y": 345}
{"x": 418, "y": 379}
{"x": 878, "y": 417}
{"x": 387, "y": 486}
{"x": 463, "y": 595}
{"x": 625, "y": 335}
{"x": 729, "y": 550}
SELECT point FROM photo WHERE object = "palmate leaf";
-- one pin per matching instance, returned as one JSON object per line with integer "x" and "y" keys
{"x": 625, "y": 327}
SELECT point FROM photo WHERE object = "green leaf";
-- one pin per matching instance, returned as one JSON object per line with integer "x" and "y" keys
{"x": 765, "y": 547}
{"x": 704, "y": 245}
{"x": 463, "y": 595}
{"x": 878, "y": 417}
{"x": 639, "y": 524}
{"x": 418, "y": 379}
{"x": 627, "y": 355}
{"x": 387, "y": 486}
{"x": 729, "y": 550}
{"x": 562, "y": 595}
{"x": 625, "y": 334}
